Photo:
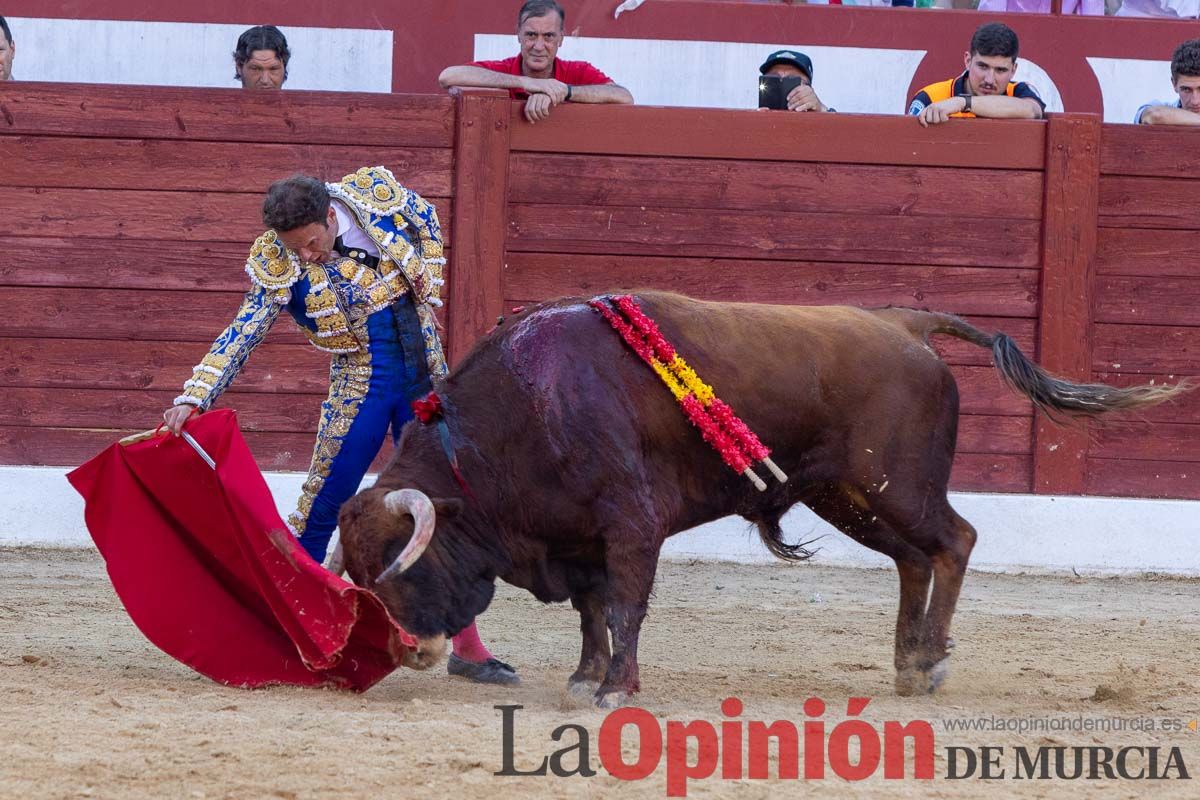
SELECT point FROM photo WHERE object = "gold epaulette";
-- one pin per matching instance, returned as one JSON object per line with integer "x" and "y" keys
{"x": 374, "y": 190}
{"x": 272, "y": 266}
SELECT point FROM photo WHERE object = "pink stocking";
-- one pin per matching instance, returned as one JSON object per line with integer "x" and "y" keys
{"x": 469, "y": 647}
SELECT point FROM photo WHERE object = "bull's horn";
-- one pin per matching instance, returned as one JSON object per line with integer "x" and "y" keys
{"x": 337, "y": 563}
{"x": 416, "y": 504}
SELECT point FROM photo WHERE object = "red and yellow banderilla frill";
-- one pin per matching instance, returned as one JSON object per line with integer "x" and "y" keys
{"x": 718, "y": 424}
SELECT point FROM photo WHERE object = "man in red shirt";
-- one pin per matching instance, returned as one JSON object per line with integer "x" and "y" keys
{"x": 538, "y": 74}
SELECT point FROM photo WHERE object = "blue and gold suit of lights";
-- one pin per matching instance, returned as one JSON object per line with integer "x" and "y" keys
{"x": 377, "y": 322}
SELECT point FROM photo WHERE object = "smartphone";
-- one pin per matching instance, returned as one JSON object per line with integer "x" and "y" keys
{"x": 773, "y": 90}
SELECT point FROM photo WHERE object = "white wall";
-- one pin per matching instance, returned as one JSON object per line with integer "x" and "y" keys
{"x": 1016, "y": 532}
{"x": 1126, "y": 84}
{"x": 192, "y": 54}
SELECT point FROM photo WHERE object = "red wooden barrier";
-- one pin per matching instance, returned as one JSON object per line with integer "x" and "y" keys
{"x": 126, "y": 211}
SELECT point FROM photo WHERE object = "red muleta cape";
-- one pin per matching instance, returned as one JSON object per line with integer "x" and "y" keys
{"x": 209, "y": 572}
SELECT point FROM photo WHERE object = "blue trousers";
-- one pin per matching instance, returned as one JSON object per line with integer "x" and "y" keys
{"x": 370, "y": 392}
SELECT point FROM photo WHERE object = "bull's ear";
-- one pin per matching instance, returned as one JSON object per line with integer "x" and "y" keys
{"x": 447, "y": 507}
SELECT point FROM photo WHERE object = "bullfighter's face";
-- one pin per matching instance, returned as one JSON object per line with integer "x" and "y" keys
{"x": 312, "y": 243}
{"x": 540, "y": 38}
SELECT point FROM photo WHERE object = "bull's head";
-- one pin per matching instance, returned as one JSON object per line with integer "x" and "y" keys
{"x": 405, "y": 547}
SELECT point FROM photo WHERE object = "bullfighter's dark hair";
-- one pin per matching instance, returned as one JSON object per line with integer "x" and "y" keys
{"x": 260, "y": 37}
{"x": 7, "y": 32}
{"x": 1186, "y": 60}
{"x": 540, "y": 8}
{"x": 295, "y": 202}
{"x": 995, "y": 39}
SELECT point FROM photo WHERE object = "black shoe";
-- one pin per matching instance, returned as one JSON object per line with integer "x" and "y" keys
{"x": 491, "y": 671}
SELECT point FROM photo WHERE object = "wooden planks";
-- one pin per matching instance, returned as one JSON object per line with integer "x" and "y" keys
{"x": 1161, "y": 152}
{"x": 991, "y": 472}
{"x": 148, "y": 316}
{"x": 1147, "y": 441}
{"x": 1130, "y": 478}
{"x": 1137, "y": 300}
{"x": 836, "y": 138}
{"x": 481, "y": 185}
{"x": 1068, "y": 264}
{"x": 153, "y": 164}
{"x": 960, "y": 241}
{"x": 68, "y": 447}
{"x": 981, "y": 434}
{"x": 139, "y": 214}
{"x": 962, "y": 290}
{"x": 127, "y": 216}
{"x": 1148, "y": 325}
{"x": 1149, "y": 253}
{"x": 64, "y": 364}
{"x": 158, "y": 264}
{"x": 1135, "y": 202}
{"x": 127, "y": 211}
{"x": 1147, "y": 349}
{"x": 226, "y": 115}
{"x": 696, "y": 183}
{"x": 118, "y": 408}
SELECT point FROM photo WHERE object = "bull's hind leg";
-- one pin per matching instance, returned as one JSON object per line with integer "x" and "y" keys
{"x": 632, "y": 560}
{"x": 847, "y": 509}
{"x": 931, "y": 526}
{"x": 950, "y": 550}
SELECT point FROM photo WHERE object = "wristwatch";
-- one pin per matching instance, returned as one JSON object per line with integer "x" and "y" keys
{"x": 966, "y": 103}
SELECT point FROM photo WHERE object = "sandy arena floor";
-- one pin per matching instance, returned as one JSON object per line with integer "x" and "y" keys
{"x": 90, "y": 709}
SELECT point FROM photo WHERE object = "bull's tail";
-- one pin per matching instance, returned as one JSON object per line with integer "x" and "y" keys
{"x": 771, "y": 533}
{"x": 1054, "y": 396}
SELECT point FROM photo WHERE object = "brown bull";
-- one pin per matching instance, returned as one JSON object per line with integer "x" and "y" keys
{"x": 581, "y": 465}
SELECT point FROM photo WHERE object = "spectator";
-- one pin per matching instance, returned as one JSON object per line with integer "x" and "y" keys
{"x": 790, "y": 63}
{"x": 1185, "y": 77}
{"x": 1171, "y": 9}
{"x": 261, "y": 58}
{"x": 985, "y": 88}
{"x": 7, "y": 51}
{"x": 537, "y": 74}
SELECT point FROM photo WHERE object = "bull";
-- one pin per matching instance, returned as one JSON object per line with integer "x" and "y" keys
{"x": 575, "y": 465}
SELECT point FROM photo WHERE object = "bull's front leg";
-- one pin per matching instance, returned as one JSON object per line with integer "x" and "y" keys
{"x": 595, "y": 655}
{"x": 630, "y": 579}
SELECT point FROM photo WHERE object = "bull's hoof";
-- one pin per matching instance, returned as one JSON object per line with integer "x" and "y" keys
{"x": 582, "y": 689}
{"x": 913, "y": 681}
{"x": 611, "y": 700}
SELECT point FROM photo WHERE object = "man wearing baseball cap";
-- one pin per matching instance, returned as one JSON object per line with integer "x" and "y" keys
{"x": 792, "y": 63}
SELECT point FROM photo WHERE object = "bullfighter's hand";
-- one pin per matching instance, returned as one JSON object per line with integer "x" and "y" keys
{"x": 537, "y": 107}
{"x": 175, "y": 416}
{"x": 555, "y": 90}
{"x": 803, "y": 98}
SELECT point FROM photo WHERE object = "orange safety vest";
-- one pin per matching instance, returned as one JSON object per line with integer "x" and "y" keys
{"x": 944, "y": 90}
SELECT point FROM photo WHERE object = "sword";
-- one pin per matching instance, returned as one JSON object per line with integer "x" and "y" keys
{"x": 187, "y": 437}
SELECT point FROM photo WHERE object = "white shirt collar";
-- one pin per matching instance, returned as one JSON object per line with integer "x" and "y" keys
{"x": 349, "y": 231}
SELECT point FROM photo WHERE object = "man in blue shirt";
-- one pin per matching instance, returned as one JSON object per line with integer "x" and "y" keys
{"x": 1185, "y": 77}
